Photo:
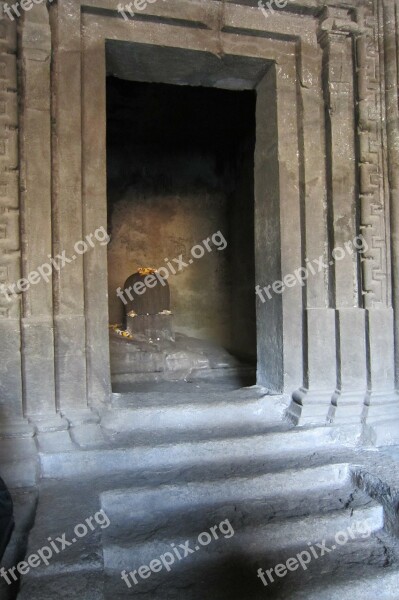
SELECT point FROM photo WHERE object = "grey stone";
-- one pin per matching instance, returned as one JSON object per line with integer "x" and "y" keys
{"x": 181, "y": 447}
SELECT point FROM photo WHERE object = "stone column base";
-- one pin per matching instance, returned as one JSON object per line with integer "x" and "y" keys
{"x": 309, "y": 407}
{"x": 16, "y": 427}
{"x": 347, "y": 407}
{"x": 85, "y": 430}
{"x": 86, "y": 416}
{"x": 47, "y": 424}
{"x": 381, "y": 416}
{"x": 359, "y": 418}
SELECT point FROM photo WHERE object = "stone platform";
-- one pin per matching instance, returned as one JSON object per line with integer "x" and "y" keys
{"x": 138, "y": 359}
{"x": 168, "y": 464}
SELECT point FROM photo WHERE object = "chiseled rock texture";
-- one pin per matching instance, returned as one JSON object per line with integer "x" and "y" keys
{"x": 161, "y": 480}
{"x": 316, "y": 455}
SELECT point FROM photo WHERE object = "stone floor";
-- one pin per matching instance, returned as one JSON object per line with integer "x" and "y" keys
{"x": 160, "y": 360}
{"x": 170, "y": 464}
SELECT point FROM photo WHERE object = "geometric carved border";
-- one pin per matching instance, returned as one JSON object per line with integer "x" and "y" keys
{"x": 373, "y": 219}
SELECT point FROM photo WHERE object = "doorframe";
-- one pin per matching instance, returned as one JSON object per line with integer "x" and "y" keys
{"x": 277, "y": 208}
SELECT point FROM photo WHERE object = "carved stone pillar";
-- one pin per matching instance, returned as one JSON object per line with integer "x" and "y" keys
{"x": 312, "y": 400}
{"x": 35, "y": 155}
{"x": 392, "y": 69}
{"x": 357, "y": 205}
{"x": 11, "y": 401}
{"x": 382, "y": 409}
{"x": 374, "y": 206}
{"x": 338, "y": 37}
{"x": 69, "y": 309}
{"x": 335, "y": 322}
{"x": 73, "y": 349}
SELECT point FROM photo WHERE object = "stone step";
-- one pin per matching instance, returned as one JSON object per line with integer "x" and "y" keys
{"x": 58, "y": 512}
{"x": 263, "y": 513}
{"x": 258, "y": 414}
{"x": 163, "y": 476}
{"x": 289, "y": 492}
{"x": 179, "y": 510}
{"x": 161, "y": 453}
{"x": 235, "y": 581}
{"x": 124, "y": 533}
{"x": 211, "y": 381}
{"x": 224, "y": 572}
{"x": 365, "y": 582}
{"x": 273, "y": 514}
{"x": 82, "y": 585}
{"x": 177, "y": 394}
{"x": 248, "y": 512}
{"x": 274, "y": 539}
{"x": 212, "y": 562}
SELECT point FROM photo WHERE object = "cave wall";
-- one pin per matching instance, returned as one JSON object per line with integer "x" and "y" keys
{"x": 180, "y": 169}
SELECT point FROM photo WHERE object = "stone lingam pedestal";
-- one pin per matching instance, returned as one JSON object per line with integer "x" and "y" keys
{"x": 147, "y": 312}
{"x": 146, "y": 349}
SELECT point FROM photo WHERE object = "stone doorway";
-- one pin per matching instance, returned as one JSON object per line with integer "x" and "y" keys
{"x": 180, "y": 189}
{"x": 292, "y": 184}
{"x": 306, "y": 201}
{"x": 276, "y": 177}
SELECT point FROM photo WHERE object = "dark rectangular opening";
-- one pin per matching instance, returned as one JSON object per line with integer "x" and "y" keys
{"x": 180, "y": 185}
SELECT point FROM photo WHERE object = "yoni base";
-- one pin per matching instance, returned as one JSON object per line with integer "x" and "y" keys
{"x": 151, "y": 327}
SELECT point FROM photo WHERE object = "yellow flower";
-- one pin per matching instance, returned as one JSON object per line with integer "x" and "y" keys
{"x": 146, "y": 271}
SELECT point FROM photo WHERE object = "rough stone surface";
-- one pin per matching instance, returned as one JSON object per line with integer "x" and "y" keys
{"x": 280, "y": 489}
{"x": 158, "y": 358}
{"x": 289, "y": 463}
{"x": 310, "y": 94}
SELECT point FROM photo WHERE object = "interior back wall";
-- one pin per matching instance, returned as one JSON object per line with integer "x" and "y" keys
{"x": 172, "y": 182}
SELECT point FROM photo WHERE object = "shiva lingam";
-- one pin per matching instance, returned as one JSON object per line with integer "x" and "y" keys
{"x": 147, "y": 310}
